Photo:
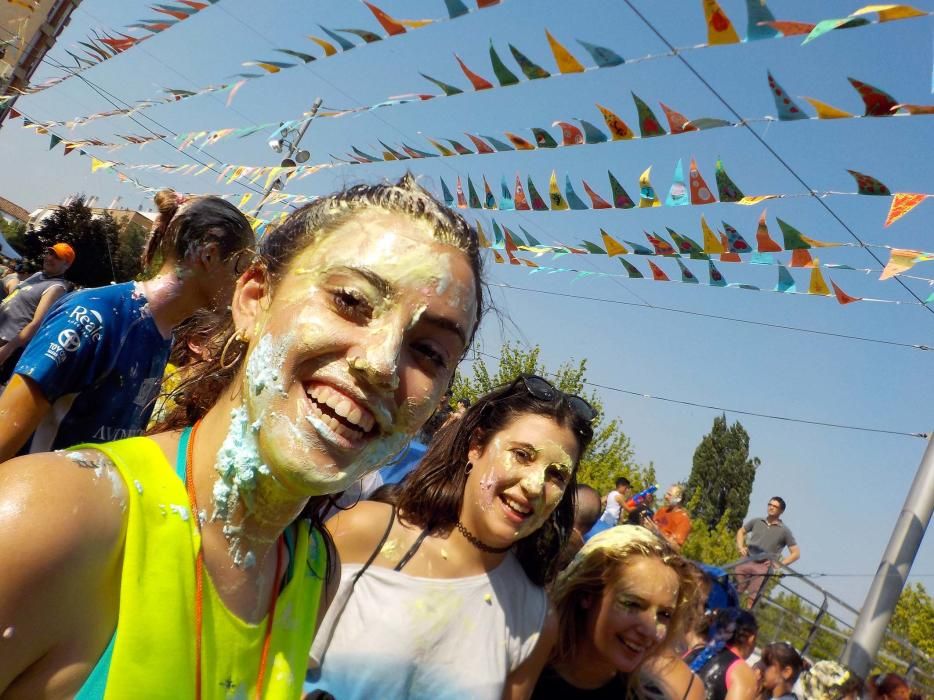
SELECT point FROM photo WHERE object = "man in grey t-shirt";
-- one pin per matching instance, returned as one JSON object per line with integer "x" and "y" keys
{"x": 23, "y": 309}
{"x": 763, "y": 540}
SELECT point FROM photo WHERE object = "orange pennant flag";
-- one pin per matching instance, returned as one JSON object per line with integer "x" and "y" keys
{"x": 902, "y": 203}
{"x": 801, "y": 258}
{"x": 498, "y": 258}
{"x": 619, "y": 131}
{"x": 826, "y": 111}
{"x": 719, "y": 28}
{"x": 700, "y": 193}
{"x": 329, "y": 48}
{"x": 817, "y": 284}
{"x": 842, "y": 297}
{"x": 727, "y": 255}
{"x": 677, "y": 121}
{"x": 478, "y": 82}
{"x": 657, "y": 273}
{"x": 390, "y": 24}
{"x": 566, "y": 62}
{"x": 764, "y": 242}
{"x": 613, "y": 247}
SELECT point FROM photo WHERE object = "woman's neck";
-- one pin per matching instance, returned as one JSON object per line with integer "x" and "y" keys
{"x": 247, "y": 529}
{"x": 171, "y": 298}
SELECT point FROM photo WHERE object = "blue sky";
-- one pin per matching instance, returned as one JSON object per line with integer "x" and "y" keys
{"x": 844, "y": 488}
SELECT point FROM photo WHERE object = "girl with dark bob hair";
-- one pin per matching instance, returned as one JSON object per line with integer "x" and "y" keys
{"x": 191, "y": 563}
{"x": 442, "y": 594}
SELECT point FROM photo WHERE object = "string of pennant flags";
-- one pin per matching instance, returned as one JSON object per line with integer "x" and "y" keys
{"x": 102, "y": 46}
{"x": 337, "y": 44}
{"x": 698, "y": 193}
{"x": 762, "y": 25}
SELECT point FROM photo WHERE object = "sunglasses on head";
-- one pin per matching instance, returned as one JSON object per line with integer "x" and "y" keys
{"x": 544, "y": 390}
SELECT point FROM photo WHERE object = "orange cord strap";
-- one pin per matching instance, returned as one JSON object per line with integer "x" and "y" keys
{"x": 199, "y": 581}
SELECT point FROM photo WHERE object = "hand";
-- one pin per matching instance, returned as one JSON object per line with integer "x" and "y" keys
{"x": 744, "y": 551}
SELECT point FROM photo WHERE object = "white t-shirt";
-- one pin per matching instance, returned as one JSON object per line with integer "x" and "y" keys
{"x": 402, "y": 636}
{"x": 614, "y": 505}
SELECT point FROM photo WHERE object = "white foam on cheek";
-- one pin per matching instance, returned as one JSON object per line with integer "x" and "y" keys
{"x": 264, "y": 367}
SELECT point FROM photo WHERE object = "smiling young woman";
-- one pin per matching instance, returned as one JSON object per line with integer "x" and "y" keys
{"x": 622, "y": 601}
{"x": 193, "y": 562}
{"x": 442, "y": 594}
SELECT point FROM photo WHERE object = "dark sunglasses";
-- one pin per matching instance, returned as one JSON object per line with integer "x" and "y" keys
{"x": 544, "y": 390}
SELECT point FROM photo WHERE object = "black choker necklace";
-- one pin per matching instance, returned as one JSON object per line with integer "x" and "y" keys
{"x": 478, "y": 544}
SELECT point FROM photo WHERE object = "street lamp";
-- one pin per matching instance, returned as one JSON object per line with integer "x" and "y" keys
{"x": 281, "y": 140}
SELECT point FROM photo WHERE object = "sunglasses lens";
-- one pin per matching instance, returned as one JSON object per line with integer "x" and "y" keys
{"x": 539, "y": 388}
{"x": 582, "y": 408}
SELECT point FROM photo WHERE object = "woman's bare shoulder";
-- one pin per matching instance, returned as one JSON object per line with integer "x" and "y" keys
{"x": 358, "y": 530}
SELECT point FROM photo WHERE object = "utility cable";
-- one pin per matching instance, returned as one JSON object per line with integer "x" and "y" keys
{"x": 738, "y": 411}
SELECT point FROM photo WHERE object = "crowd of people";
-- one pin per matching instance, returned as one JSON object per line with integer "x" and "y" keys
{"x": 245, "y": 477}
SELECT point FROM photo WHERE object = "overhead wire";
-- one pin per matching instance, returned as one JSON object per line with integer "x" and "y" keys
{"x": 743, "y": 412}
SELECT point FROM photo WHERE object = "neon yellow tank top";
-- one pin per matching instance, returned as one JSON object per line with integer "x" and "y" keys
{"x": 152, "y": 653}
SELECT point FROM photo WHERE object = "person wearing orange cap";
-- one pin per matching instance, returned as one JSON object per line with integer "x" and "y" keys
{"x": 23, "y": 309}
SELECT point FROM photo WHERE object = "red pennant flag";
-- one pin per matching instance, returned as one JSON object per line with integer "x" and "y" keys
{"x": 598, "y": 201}
{"x": 657, "y": 273}
{"x": 14, "y": 114}
{"x": 521, "y": 203}
{"x": 520, "y": 143}
{"x": 902, "y": 203}
{"x": 482, "y": 146}
{"x": 478, "y": 82}
{"x": 842, "y": 297}
{"x": 570, "y": 134}
{"x": 878, "y": 103}
{"x": 676, "y": 121}
{"x": 391, "y": 26}
{"x": 461, "y": 199}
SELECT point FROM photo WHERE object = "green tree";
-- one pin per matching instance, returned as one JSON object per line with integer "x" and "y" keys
{"x": 722, "y": 475}
{"x": 711, "y": 545}
{"x": 94, "y": 239}
{"x": 610, "y": 454}
{"x": 13, "y": 232}
{"x": 913, "y": 621}
{"x": 127, "y": 257}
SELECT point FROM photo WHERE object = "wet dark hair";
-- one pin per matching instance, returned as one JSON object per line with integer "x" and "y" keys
{"x": 783, "y": 654}
{"x": 185, "y": 225}
{"x": 282, "y": 244}
{"x": 433, "y": 493}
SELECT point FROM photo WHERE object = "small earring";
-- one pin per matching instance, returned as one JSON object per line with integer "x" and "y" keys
{"x": 468, "y": 468}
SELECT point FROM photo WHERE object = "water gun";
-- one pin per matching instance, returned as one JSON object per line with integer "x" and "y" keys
{"x": 640, "y": 498}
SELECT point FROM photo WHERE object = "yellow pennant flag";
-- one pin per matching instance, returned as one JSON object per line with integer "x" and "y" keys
{"x": 273, "y": 174}
{"x": 817, "y": 284}
{"x": 97, "y": 164}
{"x": 712, "y": 242}
{"x": 557, "y": 201}
{"x": 887, "y": 13}
{"x": 619, "y": 130}
{"x": 498, "y": 258}
{"x": 613, "y": 247}
{"x": 329, "y": 49}
{"x": 826, "y": 111}
{"x": 902, "y": 203}
{"x": 719, "y": 28}
{"x": 814, "y": 243}
{"x": 900, "y": 260}
{"x": 244, "y": 199}
{"x": 647, "y": 197}
{"x": 481, "y": 236}
{"x": 755, "y": 199}
{"x": 566, "y": 62}
{"x": 238, "y": 171}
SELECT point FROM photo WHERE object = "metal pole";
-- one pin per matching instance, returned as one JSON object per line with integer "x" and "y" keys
{"x": 315, "y": 106}
{"x": 861, "y": 650}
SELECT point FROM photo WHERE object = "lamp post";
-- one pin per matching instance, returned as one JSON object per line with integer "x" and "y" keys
{"x": 294, "y": 156}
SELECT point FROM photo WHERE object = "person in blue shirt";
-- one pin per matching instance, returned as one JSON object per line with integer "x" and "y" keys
{"x": 93, "y": 369}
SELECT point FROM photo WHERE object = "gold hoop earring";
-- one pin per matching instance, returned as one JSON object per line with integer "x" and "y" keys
{"x": 240, "y": 337}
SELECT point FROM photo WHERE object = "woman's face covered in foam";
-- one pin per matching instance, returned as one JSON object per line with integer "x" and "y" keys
{"x": 354, "y": 350}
